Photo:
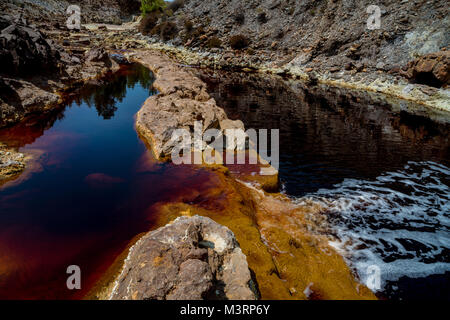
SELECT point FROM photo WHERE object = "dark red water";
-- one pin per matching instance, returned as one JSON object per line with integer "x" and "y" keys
{"x": 89, "y": 193}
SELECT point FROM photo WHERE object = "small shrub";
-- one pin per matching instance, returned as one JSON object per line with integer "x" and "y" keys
{"x": 148, "y": 6}
{"x": 168, "y": 13}
{"x": 239, "y": 17}
{"x": 148, "y": 22}
{"x": 165, "y": 30}
{"x": 214, "y": 42}
{"x": 239, "y": 42}
{"x": 175, "y": 5}
{"x": 262, "y": 17}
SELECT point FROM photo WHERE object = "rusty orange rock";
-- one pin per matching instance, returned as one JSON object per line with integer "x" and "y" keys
{"x": 431, "y": 69}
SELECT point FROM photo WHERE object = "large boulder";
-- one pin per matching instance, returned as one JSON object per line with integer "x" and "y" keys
{"x": 24, "y": 49}
{"x": 432, "y": 69}
{"x": 19, "y": 98}
{"x": 190, "y": 259}
{"x": 97, "y": 55}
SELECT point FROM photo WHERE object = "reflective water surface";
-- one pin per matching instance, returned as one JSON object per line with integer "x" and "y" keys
{"x": 89, "y": 192}
{"x": 382, "y": 174}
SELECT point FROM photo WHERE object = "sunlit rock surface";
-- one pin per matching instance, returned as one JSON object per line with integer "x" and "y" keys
{"x": 190, "y": 259}
{"x": 12, "y": 163}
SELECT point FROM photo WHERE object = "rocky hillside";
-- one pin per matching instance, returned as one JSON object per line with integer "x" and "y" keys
{"x": 328, "y": 34}
{"x": 50, "y": 11}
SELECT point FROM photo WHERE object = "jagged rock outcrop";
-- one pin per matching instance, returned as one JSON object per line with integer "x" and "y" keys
{"x": 190, "y": 259}
{"x": 55, "y": 11}
{"x": 24, "y": 49}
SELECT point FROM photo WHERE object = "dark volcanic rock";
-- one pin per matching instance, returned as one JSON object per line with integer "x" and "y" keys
{"x": 120, "y": 58}
{"x": 97, "y": 55}
{"x": 25, "y": 53}
{"x": 190, "y": 259}
{"x": 24, "y": 50}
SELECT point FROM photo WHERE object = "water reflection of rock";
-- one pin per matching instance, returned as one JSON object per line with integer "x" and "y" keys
{"x": 328, "y": 134}
{"x": 105, "y": 94}
{"x": 102, "y": 94}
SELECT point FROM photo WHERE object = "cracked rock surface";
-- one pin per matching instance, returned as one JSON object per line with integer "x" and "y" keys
{"x": 192, "y": 258}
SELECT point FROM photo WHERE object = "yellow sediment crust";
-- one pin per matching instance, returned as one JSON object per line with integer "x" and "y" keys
{"x": 278, "y": 237}
{"x": 284, "y": 250}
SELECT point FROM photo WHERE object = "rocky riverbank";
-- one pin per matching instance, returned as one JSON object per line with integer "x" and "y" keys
{"x": 434, "y": 99}
{"x": 183, "y": 100}
{"x": 324, "y": 43}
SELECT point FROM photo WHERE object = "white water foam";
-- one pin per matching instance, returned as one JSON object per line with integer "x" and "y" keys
{"x": 400, "y": 222}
